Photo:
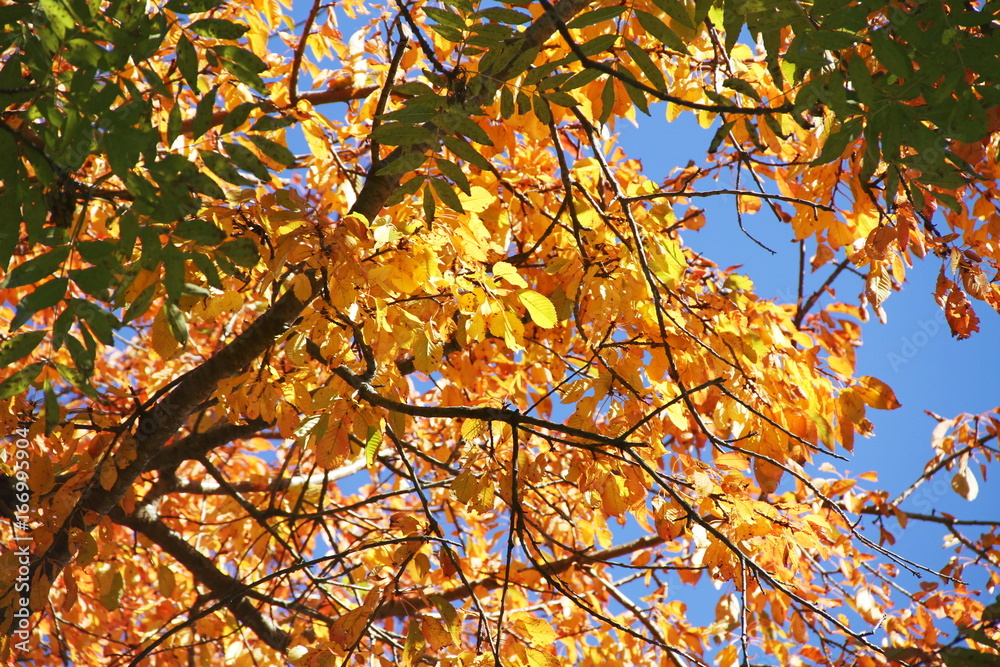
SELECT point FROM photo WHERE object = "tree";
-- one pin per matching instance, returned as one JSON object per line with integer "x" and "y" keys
{"x": 465, "y": 296}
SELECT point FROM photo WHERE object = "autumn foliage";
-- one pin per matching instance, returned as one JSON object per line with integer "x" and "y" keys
{"x": 369, "y": 345}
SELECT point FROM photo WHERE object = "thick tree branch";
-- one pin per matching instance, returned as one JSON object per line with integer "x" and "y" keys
{"x": 223, "y": 587}
{"x": 198, "y": 444}
{"x": 166, "y": 418}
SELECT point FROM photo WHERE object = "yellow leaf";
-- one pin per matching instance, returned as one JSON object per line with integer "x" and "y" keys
{"x": 876, "y": 394}
{"x": 733, "y": 460}
{"x": 508, "y": 273}
{"x": 415, "y": 643}
{"x": 109, "y": 474}
{"x": 162, "y": 340}
{"x": 301, "y": 287}
{"x": 542, "y": 312}
{"x": 537, "y": 630}
{"x": 473, "y": 428}
{"x": 426, "y": 354}
{"x": 477, "y": 201}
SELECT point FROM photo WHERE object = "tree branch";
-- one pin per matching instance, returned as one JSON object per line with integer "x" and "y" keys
{"x": 223, "y": 587}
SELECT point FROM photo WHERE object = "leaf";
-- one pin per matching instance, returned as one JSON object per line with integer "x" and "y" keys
{"x": 244, "y": 65}
{"x": 508, "y": 273}
{"x": 660, "y": 31}
{"x": 427, "y": 354}
{"x": 876, "y": 394}
{"x": 402, "y": 134}
{"x": 19, "y": 347}
{"x": 677, "y": 11}
{"x": 642, "y": 60}
{"x": 593, "y": 17}
{"x": 244, "y": 158}
{"x": 203, "y": 116}
{"x": 404, "y": 164}
{"x": 542, "y": 312}
{"x": 964, "y": 483}
{"x": 218, "y": 28}
{"x": 21, "y": 380}
{"x": 465, "y": 151}
{"x": 242, "y": 251}
{"x": 223, "y": 168}
{"x": 44, "y": 296}
{"x": 447, "y": 194}
{"x": 187, "y": 61}
{"x": 455, "y": 173}
{"x": 373, "y": 444}
{"x": 200, "y": 231}
{"x": 36, "y": 268}
{"x": 273, "y": 150}
{"x": 177, "y": 323}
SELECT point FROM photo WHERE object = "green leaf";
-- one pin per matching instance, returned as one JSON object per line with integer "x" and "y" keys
{"x": 892, "y": 54}
{"x": 653, "y": 73}
{"x": 405, "y": 190}
{"x": 506, "y": 103}
{"x": 273, "y": 150}
{"x": 20, "y": 380}
{"x": 223, "y": 168}
{"x": 244, "y": 65}
{"x": 19, "y": 347}
{"x": 237, "y": 116}
{"x": 203, "y": 114}
{"x": 76, "y": 378}
{"x": 503, "y": 15}
{"x": 405, "y": 163}
{"x": 837, "y": 142}
{"x": 465, "y": 151}
{"x": 45, "y": 296}
{"x": 444, "y": 190}
{"x": 741, "y": 86}
{"x": 218, "y": 28}
{"x": 541, "y": 109}
{"x": 455, "y": 173}
{"x": 861, "y": 80}
{"x": 720, "y": 135}
{"x": 35, "y": 269}
{"x": 95, "y": 281}
{"x": 177, "y": 323}
{"x": 187, "y": 61}
{"x": 60, "y": 19}
{"x": 589, "y": 18}
{"x": 402, "y": 134}
{"x": 446, "y": 17}
{"x": 199, "y": 231}
{"x": 677, "y": 11}
{"x": 271, "y": 123}
{"x": 140, "y": 305}
{"x": 373, "y": 444}
{"x": 660, "y": 31}
{"x": 242, "y": 251}
{"x": 428, "y": 206}
{"x": 193, "y": 6}
{"x": 561, "y": 98}
{"x": 462, "y": 124}
{"x": 585, "y": 76}
{"x": 247, "y": 161}
{"x": 100, "y": 321}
